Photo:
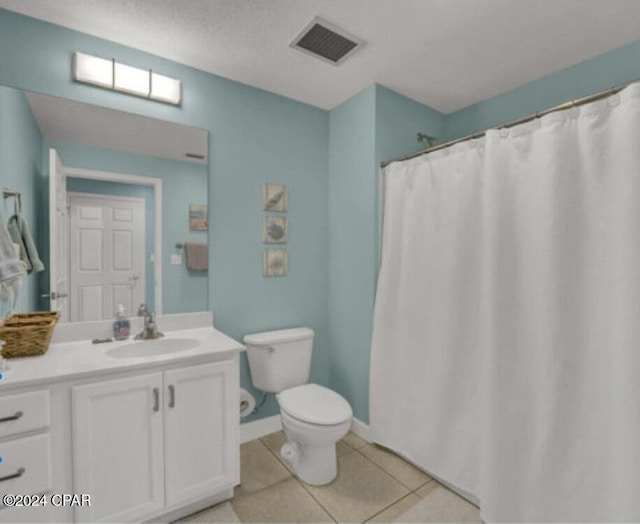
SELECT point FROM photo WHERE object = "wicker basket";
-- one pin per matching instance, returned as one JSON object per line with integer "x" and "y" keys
{"x": 27, "y": 334}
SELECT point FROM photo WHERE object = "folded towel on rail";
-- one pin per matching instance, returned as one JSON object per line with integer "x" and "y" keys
{"x": 21, "y": 235}
{"x": 197, "y": 256}
{"x": 11, "y": 269}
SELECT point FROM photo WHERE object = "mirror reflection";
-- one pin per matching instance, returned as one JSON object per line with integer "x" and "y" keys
{"x": 116, "y": 203}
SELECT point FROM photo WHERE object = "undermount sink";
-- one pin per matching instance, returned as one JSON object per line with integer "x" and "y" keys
{"x": 150, "y": 348}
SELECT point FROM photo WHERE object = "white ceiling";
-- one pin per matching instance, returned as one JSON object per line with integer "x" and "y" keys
{"x": 447, "y": 54}
{"x": 65, "y": 120}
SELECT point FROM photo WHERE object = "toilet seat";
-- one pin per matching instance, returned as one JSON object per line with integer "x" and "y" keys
{"x": 315, "y": 404}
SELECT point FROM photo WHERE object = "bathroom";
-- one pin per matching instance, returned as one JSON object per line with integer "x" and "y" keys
{"x": 326, "y": 151}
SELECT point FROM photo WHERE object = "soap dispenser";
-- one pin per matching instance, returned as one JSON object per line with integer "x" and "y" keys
{"x": 121, "y": 325}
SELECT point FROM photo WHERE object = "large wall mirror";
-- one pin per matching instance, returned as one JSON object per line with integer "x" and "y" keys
{"x": 121, "y": 199}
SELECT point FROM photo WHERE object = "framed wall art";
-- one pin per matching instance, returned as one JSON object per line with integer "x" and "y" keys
{"x": 274, "y": 230}
{"x": 198, "y": 217}
{"x": 274, "y": 263}
{"x": 275, "y": 198}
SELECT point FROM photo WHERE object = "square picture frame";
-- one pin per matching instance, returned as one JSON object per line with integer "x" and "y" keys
{"x": 274, "y": 230}
{"x": 198, "y": 217}
{"x": 275, "y": 197}
{"x": 275, "y": 263}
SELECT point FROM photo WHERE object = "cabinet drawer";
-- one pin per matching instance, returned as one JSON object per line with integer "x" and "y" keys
{"x": 24, "y": 412}
{"x": 39, "y": 514}
{"x": 26, "y": 465}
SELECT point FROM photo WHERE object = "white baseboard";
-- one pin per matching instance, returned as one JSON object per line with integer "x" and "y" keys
{"x": 266, "y": 426}
{"x": 361, "y": 429}
{"x": 259, "y": 428}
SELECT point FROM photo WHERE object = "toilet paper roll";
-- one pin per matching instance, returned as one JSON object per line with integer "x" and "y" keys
{"x": 247, "y": 403}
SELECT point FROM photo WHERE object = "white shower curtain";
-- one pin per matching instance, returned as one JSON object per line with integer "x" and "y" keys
{"x": 506, "y": 343}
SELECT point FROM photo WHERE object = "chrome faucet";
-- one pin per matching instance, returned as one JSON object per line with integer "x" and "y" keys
{"x": 150, "y": 330}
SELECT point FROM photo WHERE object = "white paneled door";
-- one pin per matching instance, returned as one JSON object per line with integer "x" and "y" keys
{"x": 107, "y": 255}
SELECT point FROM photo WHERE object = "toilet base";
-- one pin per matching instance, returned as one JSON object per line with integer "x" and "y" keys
{"x": 313, "y": 465}
{"x": 311, "y": 450}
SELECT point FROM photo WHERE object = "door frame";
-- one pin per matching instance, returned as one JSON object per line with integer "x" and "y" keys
{"x": 156, "y": 184}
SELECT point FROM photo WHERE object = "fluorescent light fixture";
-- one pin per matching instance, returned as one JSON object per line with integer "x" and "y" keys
{"x": 165, "y": 88}
{"x": 131, "y": 80}
{"x": 92, "y": 70}
{"x": 110, "y": 74}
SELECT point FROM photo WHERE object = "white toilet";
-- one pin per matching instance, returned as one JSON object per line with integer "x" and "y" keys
{"x": 314, "y": 417}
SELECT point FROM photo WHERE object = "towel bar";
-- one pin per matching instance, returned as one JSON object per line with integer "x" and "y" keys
{"x": 180, "y": 245}
{"x": 7, "y": 193}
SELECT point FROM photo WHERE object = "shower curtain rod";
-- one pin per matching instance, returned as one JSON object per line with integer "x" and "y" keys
{"x": 566, "y": 105}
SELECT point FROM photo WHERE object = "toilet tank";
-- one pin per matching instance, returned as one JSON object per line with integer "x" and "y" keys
{"x": 279, "y": 360}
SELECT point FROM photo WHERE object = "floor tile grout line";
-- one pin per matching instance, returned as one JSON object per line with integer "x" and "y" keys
{"x": 314, "y": 498}
{"x": 282, "y": 461}
{"x": 393, "y": 476}
{"x": 242, "y": 495}
{"x": 392, "y": 504}
{"x": 423, "y": 485}
{"x": 291, "y": 475}
{"x": 279, "y": 458}
{"x": 352, "y": 449}
{"x": 357, "y": 450}
{"x": 236, "y": 497}
{"x": 384, "y": 471}
{"x": 302, "y": 483}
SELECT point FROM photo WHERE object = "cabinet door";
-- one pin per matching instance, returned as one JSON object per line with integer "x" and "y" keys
{"x": 117, "y": 448}
{"x": 201, "y": 430}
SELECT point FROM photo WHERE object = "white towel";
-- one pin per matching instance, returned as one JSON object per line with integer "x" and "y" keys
{"x": 21, "y": 234}
{"x": 11, "y": 269}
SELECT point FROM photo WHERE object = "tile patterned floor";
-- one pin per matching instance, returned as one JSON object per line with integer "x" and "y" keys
{"x": 373, "y": 485}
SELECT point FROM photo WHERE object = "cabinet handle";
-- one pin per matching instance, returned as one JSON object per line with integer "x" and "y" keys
{"x": 19, "y": 473}
{"x": 156, "y": 399}
{"x": 172, "y": 396}
{"x": 12, "y": 417}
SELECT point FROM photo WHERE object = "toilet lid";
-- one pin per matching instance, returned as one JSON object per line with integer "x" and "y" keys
{"x": 315, "y": 404}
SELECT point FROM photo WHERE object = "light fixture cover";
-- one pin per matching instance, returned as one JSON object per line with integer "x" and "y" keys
{"x": 120, "y": 77}
{"x": 93, "y": 70}
{"x": 131, "y": 80}
{"x": 165, "y": 88}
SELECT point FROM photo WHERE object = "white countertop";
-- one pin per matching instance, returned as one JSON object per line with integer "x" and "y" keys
{"x": 82, "y": 359}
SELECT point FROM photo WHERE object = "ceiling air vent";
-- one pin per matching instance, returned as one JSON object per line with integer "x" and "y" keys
{"x": 326, "y": 41}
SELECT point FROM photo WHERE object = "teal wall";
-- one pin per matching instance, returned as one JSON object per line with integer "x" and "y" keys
{"x": 100, "y": 187}
{"x": 352, "y": 190}
{"x": 602, "y": 72}
{"x": 329, "y": 161}
{"x": 398, "y": 120}
{"x": 373, "y": 125}
{"x": 183, "y": 183}
{"x": 21, "y": 170}
{"x": 254, "y": 137}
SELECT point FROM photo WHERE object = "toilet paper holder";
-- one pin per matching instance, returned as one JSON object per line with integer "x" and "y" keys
{"x": 247, "y": 403}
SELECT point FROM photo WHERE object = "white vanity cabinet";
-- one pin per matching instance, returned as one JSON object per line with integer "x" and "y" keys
{"x": 201, "y": 420}
{"x": 25, "y": 448}
{"x": 117, "y": 448}
{"x": 148, "y": 444}
{"x": 149, "y": 430}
